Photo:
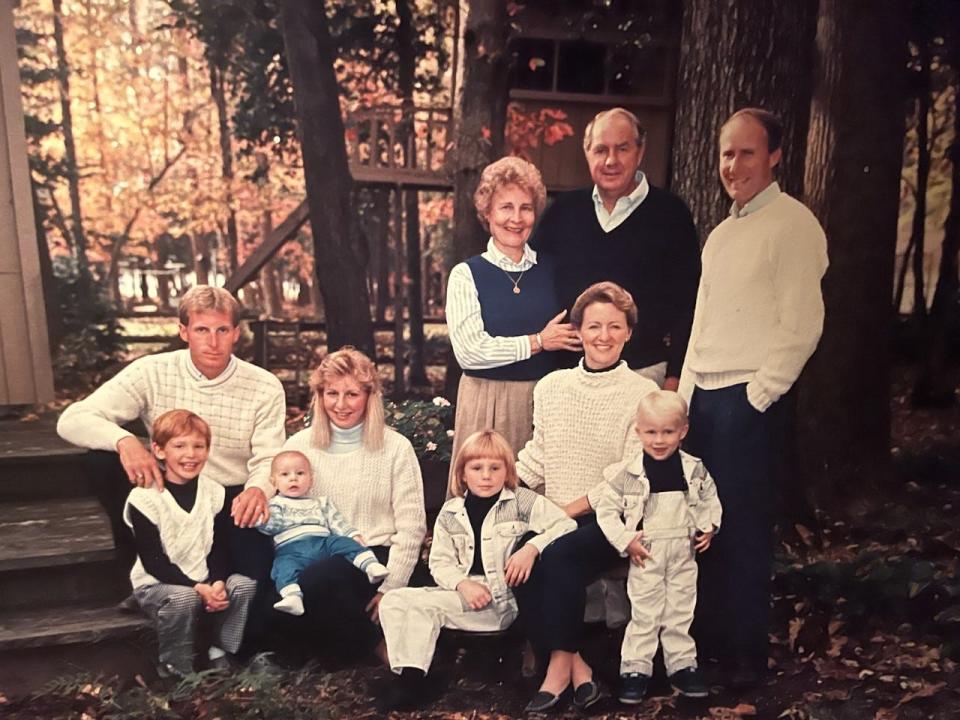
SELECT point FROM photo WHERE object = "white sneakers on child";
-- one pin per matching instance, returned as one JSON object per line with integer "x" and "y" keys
{"x": 376, "y": 572}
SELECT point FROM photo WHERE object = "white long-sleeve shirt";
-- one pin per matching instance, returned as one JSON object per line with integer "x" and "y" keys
{"x": 759, "y": 311}
{"x": 244, "y": 406}
{"x": 473, "y": 346}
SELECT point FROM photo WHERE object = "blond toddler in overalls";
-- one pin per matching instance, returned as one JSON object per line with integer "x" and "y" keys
{"x": 663, "y": 500}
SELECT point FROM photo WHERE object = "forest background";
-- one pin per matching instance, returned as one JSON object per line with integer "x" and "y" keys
{"x": 169, "y": 140}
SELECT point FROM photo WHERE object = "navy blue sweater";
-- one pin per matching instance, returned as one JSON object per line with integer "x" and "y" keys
{"x": 654, "y": 254}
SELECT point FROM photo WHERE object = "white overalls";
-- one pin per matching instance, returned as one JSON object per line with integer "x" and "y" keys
{"x": 663, "y": 594}
{"x": 411, "y": 618}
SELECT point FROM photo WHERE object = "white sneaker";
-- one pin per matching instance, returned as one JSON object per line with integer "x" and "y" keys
{"x": 291, "y": 604}
{"x": 376, "y": 572}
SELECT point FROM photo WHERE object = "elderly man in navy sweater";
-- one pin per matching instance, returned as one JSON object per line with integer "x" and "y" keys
{"x": 639, "y": 236}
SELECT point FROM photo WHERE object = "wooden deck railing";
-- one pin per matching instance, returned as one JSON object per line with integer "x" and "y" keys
{"x": 397, "y": 145}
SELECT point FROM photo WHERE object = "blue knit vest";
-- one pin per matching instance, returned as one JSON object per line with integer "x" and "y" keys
{"x": 507, "y": 314}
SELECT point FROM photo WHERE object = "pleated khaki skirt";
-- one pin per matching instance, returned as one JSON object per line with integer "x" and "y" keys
{"x": 502, "y": 405}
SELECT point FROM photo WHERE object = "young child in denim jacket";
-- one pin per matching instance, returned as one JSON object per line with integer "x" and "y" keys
{"x": 663, "y": 500}
{"x": 474, "y": 562}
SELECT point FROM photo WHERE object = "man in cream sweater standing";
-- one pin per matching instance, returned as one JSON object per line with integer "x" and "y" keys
{"x": 758, "y": 319}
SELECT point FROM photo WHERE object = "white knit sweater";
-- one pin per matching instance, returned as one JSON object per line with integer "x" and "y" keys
{"x": 759, "y": 308}
{"x": 244, "y": 406}
{"x": 582, "y": 422}
{"x": 380, "y": 493}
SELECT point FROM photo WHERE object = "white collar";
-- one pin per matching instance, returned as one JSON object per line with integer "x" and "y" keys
{"x": 494, "y": 255}
{"x": 200, "y": 377}
{"x": 636, "y": 197}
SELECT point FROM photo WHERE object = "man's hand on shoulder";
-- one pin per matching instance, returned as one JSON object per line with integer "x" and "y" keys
{"x": 141, "y": 467}
{"x": 250, "y": 508}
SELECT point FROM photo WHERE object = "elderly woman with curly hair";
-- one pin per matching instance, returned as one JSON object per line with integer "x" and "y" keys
{"x": 370, "y": 473}
{"x": 503, "y": 314}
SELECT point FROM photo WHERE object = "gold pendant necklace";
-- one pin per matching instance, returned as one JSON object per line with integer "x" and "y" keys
{"x": 516, "y": 283}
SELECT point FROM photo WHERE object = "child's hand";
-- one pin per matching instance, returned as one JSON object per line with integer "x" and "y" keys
{"x": 637, "y": 552}
{"x": 702, "y": 540}
{"x": 476, "y": 595}
{"x": 359, "y": 538}
{"x": 520, "y": 565}
{"x": 211, "y": 603}
{"x": 220, "y": 590}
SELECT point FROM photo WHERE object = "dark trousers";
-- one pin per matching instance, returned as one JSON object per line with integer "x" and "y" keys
{"x": 551, "y": 603}
{"x": 335, "y": 595}
{"x": 737, "y": 444}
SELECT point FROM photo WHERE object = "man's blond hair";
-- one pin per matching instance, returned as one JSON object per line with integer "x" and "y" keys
{"x": 206, "y": 298}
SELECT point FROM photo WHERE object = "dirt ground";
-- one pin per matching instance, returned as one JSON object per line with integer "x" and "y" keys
{"x": 866, "y": 625}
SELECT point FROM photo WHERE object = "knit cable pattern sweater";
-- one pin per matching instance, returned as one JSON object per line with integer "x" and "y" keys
{"x": 759, "y": 309}
{"x": 379, "y": 492}
{"x": 582, "y": 422}
{"x": 244, "y": 406}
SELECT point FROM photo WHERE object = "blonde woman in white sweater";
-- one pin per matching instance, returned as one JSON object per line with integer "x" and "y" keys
{"x": 583, "y": 419}
{"x": 370, "y": 472}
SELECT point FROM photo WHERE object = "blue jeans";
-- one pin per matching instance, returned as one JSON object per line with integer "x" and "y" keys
{"x": 292, "y": 557}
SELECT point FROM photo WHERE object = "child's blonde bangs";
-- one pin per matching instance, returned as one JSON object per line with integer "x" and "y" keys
{"x": 484, "y": 444}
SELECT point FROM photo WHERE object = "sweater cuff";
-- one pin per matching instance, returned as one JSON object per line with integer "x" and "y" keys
{"x": 759, "y": 398}
{"x": 595, "y": 494}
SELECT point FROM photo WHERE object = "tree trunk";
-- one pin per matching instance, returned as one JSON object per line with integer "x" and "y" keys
{"x": 341, "y": 257}
{"x": 480, "y": 116}
{"x": 735, "y": 54}
{"x": 852, "y": 184}
{"x": 226, "y": 164}
{"x": 269, "y": 281}
{"x": 69, "y": 145}
{"x": 406, "y": 54}
{"x": 935, "y": 386}
{"x": 923, "y": 166}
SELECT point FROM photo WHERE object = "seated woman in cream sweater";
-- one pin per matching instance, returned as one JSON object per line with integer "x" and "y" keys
{"x": 583, "y": 419}
{"x": 370, "y": 472}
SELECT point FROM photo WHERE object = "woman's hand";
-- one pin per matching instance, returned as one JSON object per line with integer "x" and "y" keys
{"x": 373, "y": 607}
{"x": 476, "y": 595}
{"x": 558, "y": 335}
{"x": 520, "y": 565}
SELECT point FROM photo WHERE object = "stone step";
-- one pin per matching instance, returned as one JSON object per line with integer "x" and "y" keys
{"x": 57, "y": 551}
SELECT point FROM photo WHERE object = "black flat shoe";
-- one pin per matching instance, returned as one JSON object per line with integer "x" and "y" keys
{"x": 586, "y": 695}
{"x": 544, "y": 701}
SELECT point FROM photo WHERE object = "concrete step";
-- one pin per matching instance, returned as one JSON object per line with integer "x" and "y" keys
{"x": 57, "y": 551}
{"x": 37, "y": 646}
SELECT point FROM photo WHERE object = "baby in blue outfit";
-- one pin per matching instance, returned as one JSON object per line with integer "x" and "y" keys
{"x": 306, "y": 529}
